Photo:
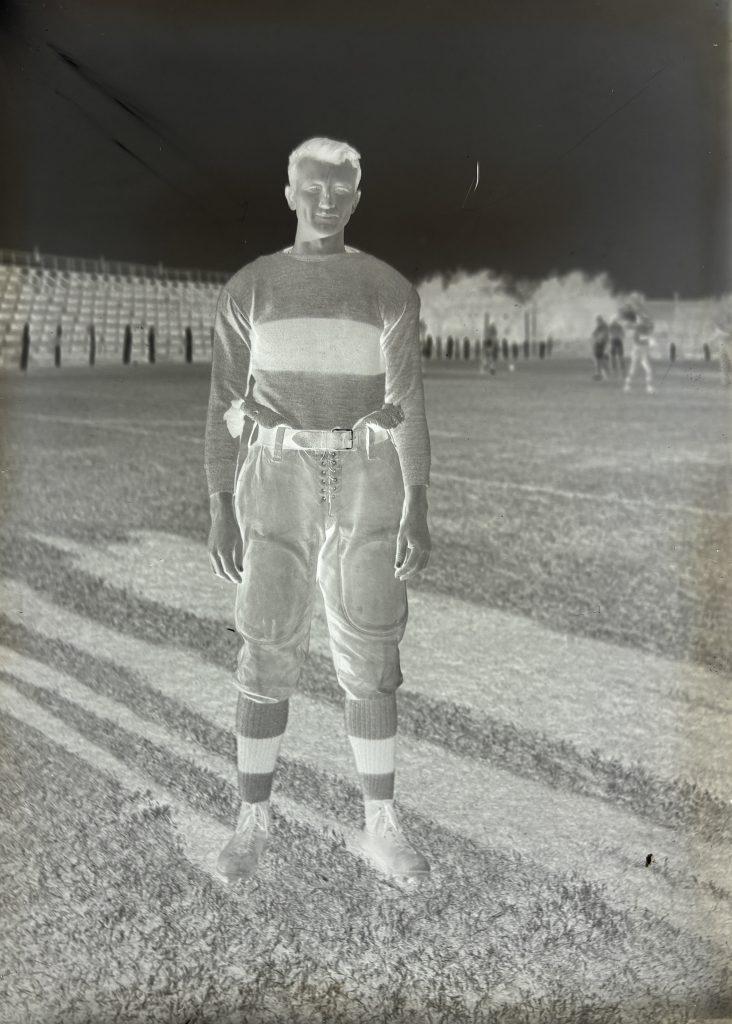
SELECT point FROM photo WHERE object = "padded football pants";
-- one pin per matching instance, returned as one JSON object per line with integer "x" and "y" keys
{"x": 329, "y": 518}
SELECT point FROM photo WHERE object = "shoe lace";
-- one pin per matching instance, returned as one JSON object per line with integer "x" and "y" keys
{"x": 251, "y": 817}
{"x": 387, "y": 824}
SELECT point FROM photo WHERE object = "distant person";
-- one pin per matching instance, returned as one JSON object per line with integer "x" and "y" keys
{"x": 489, "y": 343}
{"x": 494, "y": 357}
{"x": 600, "y": 339}
{"x": 485, "y": 355}
{"x": 639, "y": 326}
{"x": 617, "y": 362}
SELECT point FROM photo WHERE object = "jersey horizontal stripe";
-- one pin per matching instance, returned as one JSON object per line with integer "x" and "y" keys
{"x": 318, "y": 345}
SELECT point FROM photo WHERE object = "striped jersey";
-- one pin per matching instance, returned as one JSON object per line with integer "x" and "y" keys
{"x": 323, "y": 340}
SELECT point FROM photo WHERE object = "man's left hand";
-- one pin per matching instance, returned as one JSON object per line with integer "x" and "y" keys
{"x": 413, "y": 543}
{"x": 388, "y": 416}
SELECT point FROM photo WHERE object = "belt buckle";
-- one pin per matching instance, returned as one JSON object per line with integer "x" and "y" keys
{"x": 344, "y": 430}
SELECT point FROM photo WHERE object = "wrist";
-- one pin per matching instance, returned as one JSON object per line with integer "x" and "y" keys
{"x": 221, "y": 501}
{"x": 415, "y": 495}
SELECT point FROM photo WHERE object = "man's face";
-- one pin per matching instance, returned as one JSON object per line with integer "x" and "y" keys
{"x": 324, "y": 196}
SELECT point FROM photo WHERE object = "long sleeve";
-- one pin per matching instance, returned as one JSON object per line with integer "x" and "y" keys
{"x": 229, "y": 375}
{"x": 404, "y": 387}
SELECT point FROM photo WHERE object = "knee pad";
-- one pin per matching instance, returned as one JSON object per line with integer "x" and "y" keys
{"x": 266, "y": 673}
{"x": 273, "y": 600}
{"x": 372, "y": 600}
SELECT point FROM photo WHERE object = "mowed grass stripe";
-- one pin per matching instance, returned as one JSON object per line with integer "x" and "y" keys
{"x": 588, "y": 691}
{"x": 495, "y": 809}
{"x": 471, "y": 956}
{"x": 462, "y": 731}
{"x": 482, "y": 484}
{"x": 587, "y": 716}
{"x": 172, "y": 783}
{"x": 131, "y": 944}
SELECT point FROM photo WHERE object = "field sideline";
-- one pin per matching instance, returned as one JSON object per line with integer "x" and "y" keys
{"x": 565, "y": 712}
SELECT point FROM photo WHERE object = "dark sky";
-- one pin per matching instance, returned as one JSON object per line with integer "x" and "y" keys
{"x": 160, "y": 131}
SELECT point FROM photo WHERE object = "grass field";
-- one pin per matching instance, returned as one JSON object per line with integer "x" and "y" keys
{"x": 565, "y": 712}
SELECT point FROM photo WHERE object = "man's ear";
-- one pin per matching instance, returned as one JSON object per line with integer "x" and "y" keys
{"x": 356, "y": 201}
{"x": 289, "y": 197}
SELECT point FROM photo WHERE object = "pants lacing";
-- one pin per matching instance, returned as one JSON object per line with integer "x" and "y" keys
{"x": 330, "y": 479}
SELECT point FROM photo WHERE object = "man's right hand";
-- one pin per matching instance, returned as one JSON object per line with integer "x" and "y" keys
{"x": 261, "y": 414}
{"x": 224, "y": 539}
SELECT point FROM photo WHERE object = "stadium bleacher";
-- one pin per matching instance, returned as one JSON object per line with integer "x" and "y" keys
{"x": 61, "y": 299}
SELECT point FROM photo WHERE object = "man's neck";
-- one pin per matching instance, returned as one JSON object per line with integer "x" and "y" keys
{"x": 318, "y": 246}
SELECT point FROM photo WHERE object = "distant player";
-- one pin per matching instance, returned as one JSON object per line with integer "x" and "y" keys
{"x": 617, "y": 362}
{"x": 639, "y": 327}
{"x": 485, "y": 355}
{"x": 488, "y": 351}
{"x": 506, "y": 353}
{"x": 600, "y": 338}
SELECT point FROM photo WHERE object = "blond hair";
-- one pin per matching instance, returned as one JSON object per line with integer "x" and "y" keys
{"x": 328, "y": 150}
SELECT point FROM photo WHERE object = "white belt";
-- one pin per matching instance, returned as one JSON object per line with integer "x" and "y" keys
{"x": 338, "y": 439}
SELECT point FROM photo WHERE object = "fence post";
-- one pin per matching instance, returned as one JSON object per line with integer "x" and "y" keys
{"x": 189, "y": 345}
{"x": 25, "y": 346}
{"x": 57, "y": 346}
{"x": 92, "y": 345}
{"x": 542, "y": 349}
{"x": 151, "y": 345}
{"x": 707, "y": 353}
{"x": 127, "y": 346}
{"x": 672, "y": 352}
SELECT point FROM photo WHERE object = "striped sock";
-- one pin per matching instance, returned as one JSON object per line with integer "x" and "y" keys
{"x": 371, "y": 725}
{"x": 259, "y": 732}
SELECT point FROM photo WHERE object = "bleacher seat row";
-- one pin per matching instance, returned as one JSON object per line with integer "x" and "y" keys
{"x": 61, "y": 304}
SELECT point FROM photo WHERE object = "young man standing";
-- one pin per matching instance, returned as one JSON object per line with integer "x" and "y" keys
{"x": 317, "y": 345}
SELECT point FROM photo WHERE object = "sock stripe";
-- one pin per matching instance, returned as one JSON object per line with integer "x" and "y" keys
{"x": 372, "y": 718}
{"x": 371, "y": 725}
{"x": 259, "y": 731}
{"x": 255, "y": 788}
{"x": 371, "y": 755}
{"x": 261, "y": 721}
{"x": 378, "y": 787}
{"x": 257, "y": 757}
